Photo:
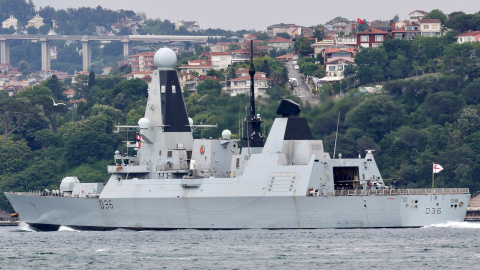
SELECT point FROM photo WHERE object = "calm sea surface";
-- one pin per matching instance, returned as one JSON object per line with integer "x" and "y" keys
{"x": 446, "y": 246}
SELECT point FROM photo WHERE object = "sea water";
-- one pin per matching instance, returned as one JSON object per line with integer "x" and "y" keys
{"x": 444, "y": 246}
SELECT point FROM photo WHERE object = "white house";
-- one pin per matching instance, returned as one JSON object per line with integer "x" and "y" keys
{"x": 430, "y": 27}
{"x": 36, "y": 22}
{"x": 12, "y": 21}
{"x": 221, "y": 59}
{"x": 469, "y": 37}
{"x": 417, "y": 15}
{"x": 241, "y": 85}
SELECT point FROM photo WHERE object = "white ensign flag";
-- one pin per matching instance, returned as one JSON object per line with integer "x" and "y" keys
{"x": 437, "y": 168}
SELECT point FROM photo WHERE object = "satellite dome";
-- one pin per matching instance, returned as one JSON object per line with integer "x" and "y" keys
{"x": 144, "y": 123}
{"x": 226, "y": 134}
{"x": 165, "y": 58}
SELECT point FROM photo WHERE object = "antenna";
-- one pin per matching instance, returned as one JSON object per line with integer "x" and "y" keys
{"x": 252, "y": 136}
{"x": 336, "y": 134}
{"x": 252, "y": 81}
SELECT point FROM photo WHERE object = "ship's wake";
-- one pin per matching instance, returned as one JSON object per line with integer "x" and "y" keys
{"x": 23, "y": 227}
{"x": 456, "y": 225}
{"x": 66, "y": 229}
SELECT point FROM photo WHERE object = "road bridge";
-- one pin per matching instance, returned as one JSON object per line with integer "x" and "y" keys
{"x": 86, "y": 39}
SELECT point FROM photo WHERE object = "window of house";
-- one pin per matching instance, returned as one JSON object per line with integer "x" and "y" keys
{"x": 378, "y": 38}
{"x": 426, "y": 26}
{"x": 364, "y": 38}
{"x": 331, "y": 68}
{"x": 339, "y": 67}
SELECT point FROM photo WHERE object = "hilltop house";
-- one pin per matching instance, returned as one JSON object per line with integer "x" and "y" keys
{"x": 417, "y": 15}
{"x": 340, "y": 24}
{"x": 274, "y": 30}
{"x": 430, "y": 27}
{"x": 241, "y": 85}
{"x": 220, "y": 59}
{"x": 371, "y": 38}
{"x": 142, "y": 61}
{"x": 280, "y": 43}
{"x": 10, "y": 22}
{"x": 469, "y": 37}
{"x": 191, "y": 26}
{"x": 36, "y": 22}
{"x": 199, "y": 66}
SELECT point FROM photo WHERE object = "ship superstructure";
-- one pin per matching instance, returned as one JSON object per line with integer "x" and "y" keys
{"x": 176, "y": 182}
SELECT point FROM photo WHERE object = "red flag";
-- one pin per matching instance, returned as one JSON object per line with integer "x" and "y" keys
{"x": 138, "y": 140}
{"x": 360, "y": 21}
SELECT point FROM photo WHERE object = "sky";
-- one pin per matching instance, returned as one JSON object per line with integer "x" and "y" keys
{"x": 258, "y": 14}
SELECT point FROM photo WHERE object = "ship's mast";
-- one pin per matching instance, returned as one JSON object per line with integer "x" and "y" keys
{"x": 252, "y": 136}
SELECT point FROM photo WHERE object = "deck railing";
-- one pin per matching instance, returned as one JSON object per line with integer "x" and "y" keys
{"x": 389, "y": 192}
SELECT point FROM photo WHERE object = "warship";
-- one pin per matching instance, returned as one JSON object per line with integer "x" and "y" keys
{"x": 286, "y": 181}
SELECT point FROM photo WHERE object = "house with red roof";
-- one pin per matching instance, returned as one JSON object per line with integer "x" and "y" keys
{"x": 339, "y": 53}
{"x": 220, "y": 60}
{"x": 469, "y": 37}
{"x": 405, "y": 30}
{"x": 200, "y": 66}
{"x": 371, "y": 38}
{"x": 242, "y": 72}
{"x": 69, "y": 93}
{"x": 417, "y": 15}
{"x": 286, "y": 57}
{"x": 280, "y": 43}
{"x": 241, "y": 85}
{"x": 142, "y": 61}
{"x": 430, "y": 27}
{"x": 276, "y": 29}
{"x": 240, "y": 55}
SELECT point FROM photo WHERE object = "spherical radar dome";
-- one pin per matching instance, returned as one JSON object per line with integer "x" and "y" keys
{"x": 165, "y": 58}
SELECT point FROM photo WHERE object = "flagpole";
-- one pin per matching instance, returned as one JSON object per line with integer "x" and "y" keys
{"x": 433, "y": 176}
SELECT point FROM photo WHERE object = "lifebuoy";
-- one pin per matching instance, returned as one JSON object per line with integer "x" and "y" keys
{"x": 202, "y": 150}
{"x": 119, "y": 168}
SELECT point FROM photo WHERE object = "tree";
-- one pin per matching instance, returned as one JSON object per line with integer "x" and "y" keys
{"x": 23, "y": 66}
{"x": 198, "y": 48}
{"x": 303, "y": 46}
{"x": 55, "y": 86}
{"x": 284, "y": 35}
{"x": 377, "y": 116}
{"x": 265, "y": 67}
{"x": 14, "y": 156}
{"x": 319, "y": 34}
{"x": 209, "y": 86}
{"x": 87, "y": 147}
{"x": 442, "y": 107}
{"x": 91, "y": 79}
{"x": 15, "y": 112}
{"x": 233, "y": 47}
{"x": 437, "y": 14}
{"x": 371, "y": 64}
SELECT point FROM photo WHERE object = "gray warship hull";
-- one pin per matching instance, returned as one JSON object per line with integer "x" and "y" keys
{"x": 367, "y": 210}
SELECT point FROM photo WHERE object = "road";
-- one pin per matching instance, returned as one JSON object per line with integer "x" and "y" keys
{"x": 302, "y": 90}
